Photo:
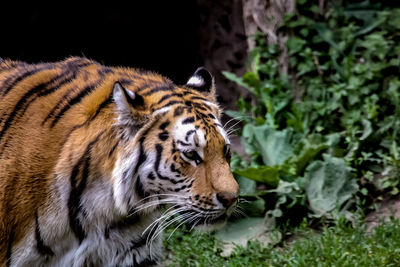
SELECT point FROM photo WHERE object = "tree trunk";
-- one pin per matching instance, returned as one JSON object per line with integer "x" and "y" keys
{"x": 266, "y": 16}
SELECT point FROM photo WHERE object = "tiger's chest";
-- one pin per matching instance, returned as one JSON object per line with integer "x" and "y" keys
{"x": 51, "y": 241}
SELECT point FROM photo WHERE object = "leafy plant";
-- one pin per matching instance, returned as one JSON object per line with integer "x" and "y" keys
{"x": 325, "y": 136}
{"x": 328, "y": 185}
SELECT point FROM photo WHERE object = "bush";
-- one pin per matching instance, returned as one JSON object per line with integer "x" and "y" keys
{"x": 325, "y": 137}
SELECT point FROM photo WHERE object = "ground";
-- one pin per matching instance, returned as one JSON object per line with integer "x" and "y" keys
{"x": 388, "y": 208}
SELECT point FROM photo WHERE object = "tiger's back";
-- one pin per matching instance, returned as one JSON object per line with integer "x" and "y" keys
{"x": 71, "y": 135}
{"x": 33, "y": 99}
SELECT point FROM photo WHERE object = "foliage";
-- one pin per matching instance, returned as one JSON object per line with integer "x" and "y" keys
{"x": 327, "y": 185}
{"x": 336, "y": 246}
{"x": 326, "y": 135}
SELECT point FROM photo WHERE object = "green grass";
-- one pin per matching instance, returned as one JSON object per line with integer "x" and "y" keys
{"x": 335, "y": 246}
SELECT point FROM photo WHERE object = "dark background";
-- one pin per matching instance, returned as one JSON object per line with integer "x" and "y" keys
{"x": 157, "y": 35}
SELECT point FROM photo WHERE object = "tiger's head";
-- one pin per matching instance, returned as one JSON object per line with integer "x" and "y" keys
{"x": 175, "y": 152}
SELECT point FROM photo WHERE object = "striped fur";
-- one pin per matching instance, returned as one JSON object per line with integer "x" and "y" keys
{"x": 90, "y": 156}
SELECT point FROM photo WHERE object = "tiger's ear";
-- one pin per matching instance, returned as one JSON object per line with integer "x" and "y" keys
{"x": 126, "y": 99}
{"x": 202, "y": 81}
{"x": 131, "y": 110}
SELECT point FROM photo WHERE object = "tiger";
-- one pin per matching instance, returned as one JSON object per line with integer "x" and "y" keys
{"x": 95, "y": 161}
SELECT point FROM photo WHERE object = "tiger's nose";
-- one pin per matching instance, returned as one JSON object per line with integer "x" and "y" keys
{"x": 227, "y": 199}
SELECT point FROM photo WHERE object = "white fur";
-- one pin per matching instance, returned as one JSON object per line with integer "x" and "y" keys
{"x": 221, "y": 130}
{"x": 122, "y": 192}
{"x": 106, "y": 200}
{"x": 211, "y": 104}
{"x": 179, "y": 133}
{"x": 195, "y": 81}
{"x": 100, "y": 211}
{"x": 160, "y": 111}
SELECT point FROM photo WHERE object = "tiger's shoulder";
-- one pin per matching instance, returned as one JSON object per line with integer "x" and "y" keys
{"x": 82, "y": 145}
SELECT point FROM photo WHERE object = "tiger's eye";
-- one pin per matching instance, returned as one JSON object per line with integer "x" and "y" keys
{"x": 192, "y": 155}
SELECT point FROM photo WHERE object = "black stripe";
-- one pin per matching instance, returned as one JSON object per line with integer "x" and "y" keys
{"x": 163, "y": 136}
{"x": 107, "y": 232}
{"x": 177, "y": 181}
{"x": 135, "y": 244}
{"x": 73, "y": 70}
{"x": 56, "y": 107}
{"x": 136, "y": 101}
{"x": 188, "y": 134}
{"x": 140, "y": 241}
{"x": 189, "y": 92}
{"x": 178, "y": 111}
{"x": 162, "y": 88}
{"x": 165, "y": 97}
{"x": 142, "y": 155}
{"x": 198, "y": 98}
{"x": 74, "y": 201}
{"x": 9, "y": 246}
{"x": 20, "y": 104}
{"x": 37, "y": 91}
{"x": 147, "y": 262}
{"x": 180, "y": 188}
{"x": 113, "y": 149}
{"x": 58, "y": 81}
{"x": 71, "y": 131}
{"x": 151, "y": 176}
{"x": 75, "y": 100}
{"x": 140, "y": 189}
{"x": 183, "y": 143}
{"x": 191, "y": 183}
{"x": 10, "y": 82}
{"x": 201, "y": 107}
{"x": 69, "y": 78}
{"x": 41, "y": 247}
{"x": 104, "y": 70}
{"x": 164, "y": 125}
{"x": 121, "y": 224}
{"x": 159, "y": 150}
{"x": 125, "y": 82}
{"x": 103, "y": 104}
{"x": 12, "y": 65}
{"x": 174, "y": 169}
{"x": 188, "y": 120}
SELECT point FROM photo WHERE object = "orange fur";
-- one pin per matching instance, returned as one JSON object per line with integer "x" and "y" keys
{"x": 53, "y": 115}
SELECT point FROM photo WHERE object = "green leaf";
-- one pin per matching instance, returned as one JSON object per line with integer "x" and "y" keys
{"x": 240, "y": 81}
{"x": 254, "y": 208}
{"x": 307, "y": 153}
{"x": 295, "y": 45}
{"x": 275, "y": 146}
{"x": 326, "y": 34}
{"x": 263, "y": 174}
{"x": 247, "y": 186}
{"x": 364, "y": 191}
{"x": 241, "y": 231}
{"x": 251, "y": 79}
{"x": 277, "y": 213}
{"x": 329, "y": 185}
{"x": 367, "y": 129}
